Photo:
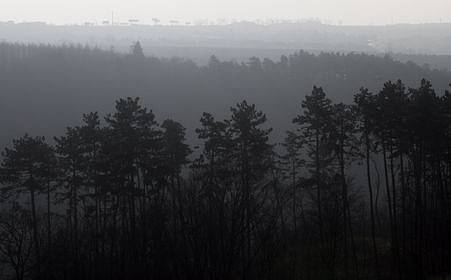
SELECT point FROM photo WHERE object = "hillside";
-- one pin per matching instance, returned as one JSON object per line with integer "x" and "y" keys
{"x": 45, "y": 88}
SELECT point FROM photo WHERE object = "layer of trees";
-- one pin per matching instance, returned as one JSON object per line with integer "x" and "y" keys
{"x": 243, "y": 39}
{"x": 360, "y": 191}
{"x": 39, "y": 82}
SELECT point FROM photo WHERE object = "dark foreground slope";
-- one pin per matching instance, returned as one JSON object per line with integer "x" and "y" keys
{"x": 45, "y": 88}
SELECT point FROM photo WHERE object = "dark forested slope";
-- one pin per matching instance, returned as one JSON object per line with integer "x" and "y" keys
{"x": 45, "y": 88}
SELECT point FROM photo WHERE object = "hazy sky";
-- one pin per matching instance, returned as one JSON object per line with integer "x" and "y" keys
{"x": 347, "y": 11}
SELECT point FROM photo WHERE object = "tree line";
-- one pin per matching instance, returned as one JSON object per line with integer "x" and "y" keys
{"x": 38, "y": 82}
{"x": 356, "y": 191}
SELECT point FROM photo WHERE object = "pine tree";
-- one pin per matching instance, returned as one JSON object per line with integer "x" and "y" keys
{"x": 252, "y": 155}
{"x": 72, "y": 173}
{"x": 136, "y": 173}
{"x": 137, "y": 50}
{"x": 315, "y": 127}
{"x": 345, "y": 149}
{"x": 365, "y": 106}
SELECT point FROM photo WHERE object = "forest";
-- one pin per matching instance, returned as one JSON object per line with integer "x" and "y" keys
{"x": 235, "y": 39}
{"x": 45, "y": 88}
{"x": 329, "y": 166}
{"x": 122, "y": 196}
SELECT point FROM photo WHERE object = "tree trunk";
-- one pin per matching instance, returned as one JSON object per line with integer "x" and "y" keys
{"x": 372, "y": 217}
{"x": 35, "y": 231}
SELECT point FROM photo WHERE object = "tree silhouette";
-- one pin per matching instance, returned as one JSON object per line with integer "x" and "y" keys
{"x": 25, "y": 170}
{"x": 16, "y": 241}
{"x": 136, "y": 50}
{"x": 315, "y": 126}
{"x": 133, "y": 200}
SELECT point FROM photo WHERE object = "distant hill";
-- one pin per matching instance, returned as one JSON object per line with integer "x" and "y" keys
{"x": 241, "y": 40}
{"x": 45, "y": 88}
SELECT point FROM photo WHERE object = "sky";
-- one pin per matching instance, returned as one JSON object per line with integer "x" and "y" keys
{"x": 349, "y": 12}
